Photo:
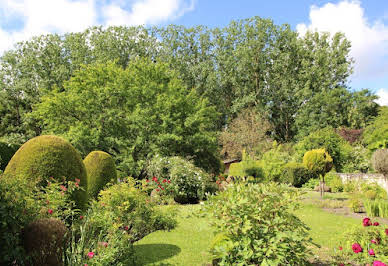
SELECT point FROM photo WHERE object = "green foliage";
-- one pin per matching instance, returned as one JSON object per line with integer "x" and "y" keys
{"x": 44, "y": 241}
{"x": 372, "y": 191}
{"x": 273, "y": 162}
{"x": 187, "y": 181}
{"x": 247, "y": 168}
{"x": 318, "y": 161}
{"x": 22, "y": 202}
{"x": 328, "y": 139}
{"x": 44, "y": 157}
{"x": 358, "y": 161}
{"x": 333, "y": 181}
{"x": 367, "y": 237}
{"x": 133, "y": 114}
{"x": 125, "y": 208}
{"x": 311, "y": 184}
{"x": 6, "y": 153}
{"x": 375, "y": 135}
{"x": 295, "y": 174}
{"x": 376, "y": 207}
{"x": 355, "y": 203}
{"x": 258, "y": 225}
{"x": 351, "y": 186}
{"x": 100, "y": 169}
{"x": 380, "y": 161}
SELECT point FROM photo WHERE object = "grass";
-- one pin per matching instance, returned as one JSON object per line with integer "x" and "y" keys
{"x": 188, "y": 243}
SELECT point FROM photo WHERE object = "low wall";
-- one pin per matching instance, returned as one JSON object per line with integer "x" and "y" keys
{"x": 378, "y": 178}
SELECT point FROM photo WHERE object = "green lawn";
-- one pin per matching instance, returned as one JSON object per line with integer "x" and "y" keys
{"x": 189, "y": 242}
{"x": 185, "y": 245}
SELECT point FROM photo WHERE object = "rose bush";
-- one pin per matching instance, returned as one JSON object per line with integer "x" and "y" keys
{"x": 363, "y": 245}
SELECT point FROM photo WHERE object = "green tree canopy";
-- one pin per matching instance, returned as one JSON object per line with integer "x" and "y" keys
{"x": 132, "y": 113}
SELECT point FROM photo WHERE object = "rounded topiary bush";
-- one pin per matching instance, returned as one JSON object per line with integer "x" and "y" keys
{"x": 100, "y": 169}
{"x": 47, "y": 157}
{"x": 43, "y": 241}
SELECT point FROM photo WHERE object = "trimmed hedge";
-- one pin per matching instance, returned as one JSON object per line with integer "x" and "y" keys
{"x": 45, "y": 157}
{"x": 247, "y": 168}
{"x": 100, "y": 169}
{"x": 296, "y": 174}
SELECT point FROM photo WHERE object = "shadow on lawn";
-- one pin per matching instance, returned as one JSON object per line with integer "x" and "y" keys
{"x": 152, "y": 253}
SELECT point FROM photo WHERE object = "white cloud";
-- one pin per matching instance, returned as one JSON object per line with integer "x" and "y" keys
{"x": 60, "y": 16}
{"x": 146, "y": 12}
{"x": 369, "y": 39}
{"x": 383, "y": 97}
{"x": 45, "y": 16}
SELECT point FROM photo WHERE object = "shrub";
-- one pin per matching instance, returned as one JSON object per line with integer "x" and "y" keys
{"x": 123, "y": 207}
{"x": 6, "y": 153}
{"x": 295, "y": 174}
{"x": 273, "y": 162}
{"x": 311, "y": 184}
{"x": 328, "y": 139}
{"x": 372, "y": 191}
{"x": 100, "y": 169}
{"x": 247, "y": 168}
{"x": 358, "y": 161}
{"x": 187, "y": 180}
{"x": 48, "y": 156}
{"x": 380, "y": 161}
{"x": 334, "y": 182}
{"x": 44, "y": 240}
{"x": 355, "y": 203}
{"x": 366, "y": 244}
{"x": 258, "y": 226}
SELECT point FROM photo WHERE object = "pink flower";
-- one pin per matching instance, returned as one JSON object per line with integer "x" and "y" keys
{"x": 386, "y": 231}
{"x": 371, "y": 252}
{"x": 374, "y": 241}
{"x": 76, "y": 184}
{"x": 77, "y": 180}
{"x": 105, "y": 244}
{"x": 85, "y": 264}
{"x": 50, "y": 211}
{"x": 366, "y": 221}
{"x": 376, "y": 224}
{"x": 81, "y": 217}
{"x": 91, "y": 255}
{"x": 63, "y": 188}
{"x": 356, "y": 248}
{"x": 378, "y": 263}
{"x": 340, "y": 248}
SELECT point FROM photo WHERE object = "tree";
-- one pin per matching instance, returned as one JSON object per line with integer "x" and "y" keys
{"x": 244, "y": 133}
{"x": 375, "y": 135}
{"x": 319, "y": 162}
{"x": 132, "y": 113}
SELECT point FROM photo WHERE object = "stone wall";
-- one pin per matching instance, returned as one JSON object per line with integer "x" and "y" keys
{"x": 378, "y": 178}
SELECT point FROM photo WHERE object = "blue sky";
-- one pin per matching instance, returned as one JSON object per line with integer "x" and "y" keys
{"x": 364, "y": 22}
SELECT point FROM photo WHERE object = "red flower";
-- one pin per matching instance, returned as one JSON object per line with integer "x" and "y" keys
{"x": 356, "y": 248}
{"x": 147, "y": 181}
{"x": 366, "y": 222}
{"x": 155, "y": 179}
{"x": 371, "y": 252}
{"x": 85, "y": 264}
{"x": 91, "y": 255}
{"x": 340, "y": 248}
{"x": 378, "y": 263}
{"x": 126, "y": 228}
{"x": 63, "y": 188}
{"x": 81, "y": 217}
{"x": 376, "y": 224}
{"x": 386, "y": 231}
{"x": 77, "y": 180}
{"x": 50, "y": 211}
{"x": 157, "y": 190}
{"x": 164, "y": 180}
{"x": 169, "y": 181}
{"x": 373, "y": 241}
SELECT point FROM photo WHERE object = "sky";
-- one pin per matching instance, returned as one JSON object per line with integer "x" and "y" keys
{"x": 364, "y": 23}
